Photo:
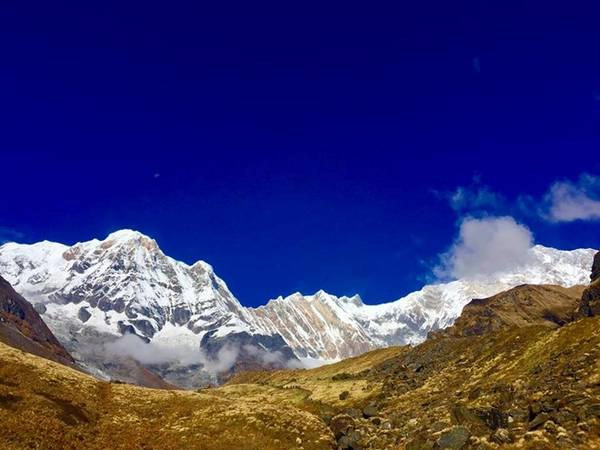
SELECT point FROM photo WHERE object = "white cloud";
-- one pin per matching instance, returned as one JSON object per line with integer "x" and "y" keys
{"x": 565, "y": 201}
{"x": 132, "y": 346}
{"x": 486, "y": 246}
{"x": 568, "y": 201}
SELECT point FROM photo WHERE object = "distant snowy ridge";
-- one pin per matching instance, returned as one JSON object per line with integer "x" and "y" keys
{"x": 126, "y": 284}
{"x": 326, "y": 326}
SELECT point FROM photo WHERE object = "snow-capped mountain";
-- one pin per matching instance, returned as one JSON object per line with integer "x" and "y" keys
{"x": 125, "y": 284}
{"x": 93, "y": 292}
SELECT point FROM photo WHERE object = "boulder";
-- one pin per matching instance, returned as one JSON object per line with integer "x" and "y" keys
{"x": 492, "y": 417}
{"x": 83, "y": 314}
{"x": 341, "y": 425}
{"x": 370, "y": 411}
{"x": 376, "y": 421}
{"x": 350, "y": 441}
{"x": 501, "y": 436}
{"x": 455, "y": 438}
{"x": 538, "y": 421}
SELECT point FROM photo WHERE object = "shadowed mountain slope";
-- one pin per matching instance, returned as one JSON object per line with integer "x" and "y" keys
{"x": 22, "y": 327}
{"x": 590, "y": 301}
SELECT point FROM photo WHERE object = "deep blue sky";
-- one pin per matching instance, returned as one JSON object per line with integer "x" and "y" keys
{"x": 293, "y": 148}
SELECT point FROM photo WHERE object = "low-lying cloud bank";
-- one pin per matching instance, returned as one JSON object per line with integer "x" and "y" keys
{"x": 131, "y": 346}
{"x": 486, "y": 246}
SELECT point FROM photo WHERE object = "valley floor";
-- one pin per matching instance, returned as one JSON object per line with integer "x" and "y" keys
{"x": 532, "y": 387}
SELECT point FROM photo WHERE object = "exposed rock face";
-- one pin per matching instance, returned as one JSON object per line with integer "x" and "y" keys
{"x": 590, "y": 300}
{"x": 316, "y": 326}
{"x": 22, "y": 327}
{"x": 596, "y": 268}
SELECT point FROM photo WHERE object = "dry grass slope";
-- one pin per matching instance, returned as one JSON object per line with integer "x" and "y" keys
{"x": 47, "y": 405}
{"x": 528, "y": 385}
{"x": 534, "y": 387}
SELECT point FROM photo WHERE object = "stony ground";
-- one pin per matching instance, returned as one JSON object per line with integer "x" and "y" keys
{"x": 532, "y": 387}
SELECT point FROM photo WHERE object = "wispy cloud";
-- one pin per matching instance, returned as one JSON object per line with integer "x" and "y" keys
{"x": 568, "y": 201}
{"x": 564, "y": 201}
{"x": 475, "y": 198}
{"x": 9, "y": 235}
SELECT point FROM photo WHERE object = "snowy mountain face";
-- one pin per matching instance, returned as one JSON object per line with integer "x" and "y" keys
{"x": 93, "y": 292}
{"x": 97, "y": 291}
{"x": 121, "y": 283}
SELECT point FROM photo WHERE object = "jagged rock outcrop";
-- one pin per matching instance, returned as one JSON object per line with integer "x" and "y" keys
{"x": 590, "y": 300}
{"x": 596, "y": 268}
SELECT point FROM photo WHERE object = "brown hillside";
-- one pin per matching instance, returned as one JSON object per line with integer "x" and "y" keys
{"x": 525, "y": 305}
{"x": 534, "y": 387}
{"x": 47, "y": 405}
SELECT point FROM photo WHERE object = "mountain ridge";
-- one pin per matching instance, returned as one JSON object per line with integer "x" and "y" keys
{"x": 100, "y": 290}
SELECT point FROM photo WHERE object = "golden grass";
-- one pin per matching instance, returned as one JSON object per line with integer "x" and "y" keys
{"x": 416, "y": 389}
{"x": 46, "y": 405}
